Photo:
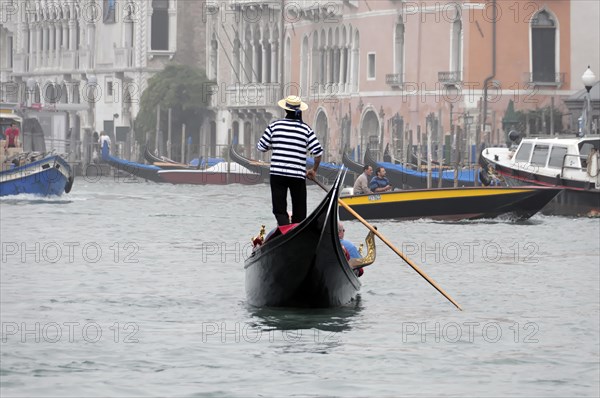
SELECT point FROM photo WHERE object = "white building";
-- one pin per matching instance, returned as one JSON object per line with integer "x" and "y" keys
{"x": 88, "y": 60}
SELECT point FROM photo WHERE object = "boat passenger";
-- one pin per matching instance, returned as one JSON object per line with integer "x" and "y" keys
{"x": 380, "y": 183}
{"x": 350, "y": 249}
{"x": 12, "y": 136}
{"x": 289, "y": 139}
{"x": 361, "y": 185}
{"x": 104, "y": 138}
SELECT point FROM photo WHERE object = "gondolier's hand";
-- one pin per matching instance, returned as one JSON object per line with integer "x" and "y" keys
{"x": 310, "y": 174}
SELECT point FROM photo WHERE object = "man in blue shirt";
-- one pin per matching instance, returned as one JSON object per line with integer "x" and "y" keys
{"x": 352, "y": 250}
{"x": 380, "y": 183}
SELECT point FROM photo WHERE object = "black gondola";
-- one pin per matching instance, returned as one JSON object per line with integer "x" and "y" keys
{"x": 353, "y": 166}
{"x": 163, "y": 162}
{"x": 152, "y": 158}
{"x": 255, "y": 166}
{"x": 306, "y": 267}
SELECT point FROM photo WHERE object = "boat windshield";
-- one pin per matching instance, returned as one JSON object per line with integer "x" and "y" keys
{"x": 557, "y": 156}
{"x": 586, "y": 146}
{"x": 540, "y": 154}
{"x": 523, "y": 153}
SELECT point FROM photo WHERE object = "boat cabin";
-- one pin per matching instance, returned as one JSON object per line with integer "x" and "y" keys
{"x": 552, "y": 156}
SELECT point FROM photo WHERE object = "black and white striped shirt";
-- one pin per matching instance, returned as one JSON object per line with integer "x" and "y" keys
{"x": 290, "y": 140}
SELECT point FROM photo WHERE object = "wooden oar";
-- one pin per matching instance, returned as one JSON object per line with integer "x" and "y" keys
{"x": 391, "y": 246}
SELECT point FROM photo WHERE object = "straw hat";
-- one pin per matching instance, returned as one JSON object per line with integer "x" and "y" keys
{"x": 292, "y": 103}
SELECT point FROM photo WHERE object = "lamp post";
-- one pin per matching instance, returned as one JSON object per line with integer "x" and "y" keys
{"x": 588, "y": 79}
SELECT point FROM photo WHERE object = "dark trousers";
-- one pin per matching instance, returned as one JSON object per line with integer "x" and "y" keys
{"x": 297, "y": 187}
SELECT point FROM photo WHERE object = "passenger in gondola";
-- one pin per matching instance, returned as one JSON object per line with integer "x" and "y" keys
{"x": 290, "y": 139}
{"x": 350, "y": 249}
{"x": 361, "y": 185}
{"x": 380, "y": 183}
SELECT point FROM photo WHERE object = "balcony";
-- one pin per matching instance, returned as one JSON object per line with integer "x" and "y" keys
{"x": 394, "y": 79}
{"x": 248, "y": 96}
{"x": 123, "y": 58}
{"x": 545, "y": 79}
{"x": 451, "y": 77}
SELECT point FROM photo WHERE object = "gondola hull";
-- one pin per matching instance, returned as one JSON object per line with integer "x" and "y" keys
{"x": 144, "y": 171}
{"x": 451, "y": 204}
{"x": 260, "y": 168}
{"x": 207, "y": 177}
{"x": 306, "y": 267}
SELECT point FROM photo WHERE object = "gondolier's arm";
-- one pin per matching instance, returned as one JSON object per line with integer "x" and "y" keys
{"x": 313, "y": 172}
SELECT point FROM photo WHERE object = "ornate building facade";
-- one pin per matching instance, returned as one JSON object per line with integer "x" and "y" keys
{"x": 90, "y": 60}
{"x": 390, "y": 72}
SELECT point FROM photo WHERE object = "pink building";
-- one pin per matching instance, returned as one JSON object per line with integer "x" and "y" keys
{"x": 389, "y": 72}
{"x": 372, "y": 71}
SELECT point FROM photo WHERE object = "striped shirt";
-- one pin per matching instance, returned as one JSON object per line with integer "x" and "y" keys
{"x": 290, "y": 140}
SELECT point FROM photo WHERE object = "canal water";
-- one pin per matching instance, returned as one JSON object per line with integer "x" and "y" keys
{"x": 132, "y": 289}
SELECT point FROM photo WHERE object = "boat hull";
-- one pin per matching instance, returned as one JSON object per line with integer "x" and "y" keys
{"x": 144, "y": 171}
{"x": 451, "y": 203}
{"x": 578, "y": 198}
{"x": 305, "y": 267}
{"x": 51, "y": 176}
{"x": 570, "y": 202}
{"x": 201, "y": 177}
{"x": 260, "y": 168}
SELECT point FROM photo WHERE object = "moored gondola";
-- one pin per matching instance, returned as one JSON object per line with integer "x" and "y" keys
{"x": 145, "y": 171}
{"x": 306, "y": 266}
{"x": 258, "y": 167}
{"x": 152, "y": 158}
{"x": 400, "y": 176}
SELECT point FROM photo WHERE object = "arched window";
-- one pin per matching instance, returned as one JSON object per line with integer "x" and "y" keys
{"x": 214, "y": 52}
{"x": 160, "y": 25}
{"x": 355, "y": 58}
{"x": 543, "y": 47}
{"x": 304, "y": 68}
{"x": 399, "y": 52}
{"x": 314, "y": 70}
{"x": 52, "y": 93}
{"x": 236, "y": 57}
{"x": 288, "y": 58}
{"x": 456, "y": 55}
{"x": 321, "y": 128}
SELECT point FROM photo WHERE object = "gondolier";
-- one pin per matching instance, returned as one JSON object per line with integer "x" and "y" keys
{"x": 290, "y": 139}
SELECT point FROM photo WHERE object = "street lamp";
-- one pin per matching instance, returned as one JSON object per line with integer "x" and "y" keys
{"x": 588, "y": 79}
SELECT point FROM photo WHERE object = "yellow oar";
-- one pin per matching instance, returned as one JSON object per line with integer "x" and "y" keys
{"x": 391, "y": 246}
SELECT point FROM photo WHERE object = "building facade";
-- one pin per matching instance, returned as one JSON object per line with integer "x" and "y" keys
{"x": 388, "y": 73}
{"x": 87, "y": 62}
